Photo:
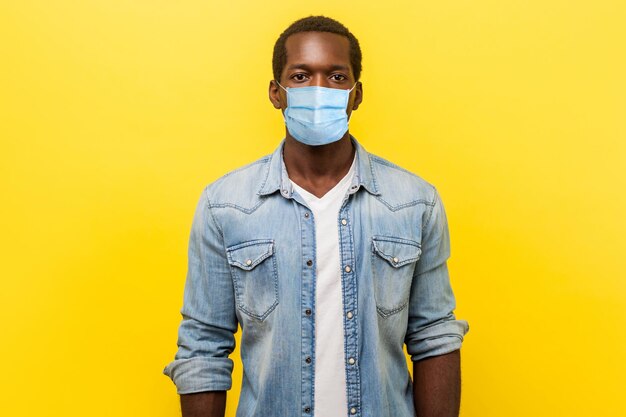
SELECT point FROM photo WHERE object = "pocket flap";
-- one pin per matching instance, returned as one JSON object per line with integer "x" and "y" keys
{"x": 249, "y": 254}
{"x": 395, "y": 250}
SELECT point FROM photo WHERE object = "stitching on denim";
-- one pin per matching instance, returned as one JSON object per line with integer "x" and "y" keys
{"x": 233, "y": 278}
{"x": 404, "y": 205}
{"x": 343, "y": 285}
{"x": 389, "y": 164}
{"x": 249, "y": 243}
{"x": 342, "y": 276}
{"x": 267, "y": 173}
{"x": 303, "y": 368}
{"x": 388, "y": 313}
{"x": 396, "y": 240}
{"x": 314, "y": 227}
{"x": 348, "y": 204}
{"x": 382, "y": 311}
{"x": 372, "y": 172}
{"x": 271, "y": 308}
{"x": 262, "y": 160}
{"x": 385, "y": 162}
{"x": 430, "y": 212}
{"x": 266, "y": 253}
{"x": 388, "y": 257}
{"x": 240, "y": 208}
{"x": 217, "y": 226}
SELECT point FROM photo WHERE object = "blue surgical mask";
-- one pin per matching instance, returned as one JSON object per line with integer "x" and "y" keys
{"x": 316, "y": 115}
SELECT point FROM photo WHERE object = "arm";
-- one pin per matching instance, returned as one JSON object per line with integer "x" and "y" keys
{"x": 434, "y": 335}
{"x": 203, "y": 404}
{"x": 202, "y": 369}
{"x": 437, "y": 385}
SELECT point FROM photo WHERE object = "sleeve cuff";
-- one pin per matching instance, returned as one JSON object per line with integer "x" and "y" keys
{"x": 200, "y": 374}
{"x": 437, "y": 339}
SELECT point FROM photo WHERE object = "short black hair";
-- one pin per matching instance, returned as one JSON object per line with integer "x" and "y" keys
{"x": 315, "y": 24}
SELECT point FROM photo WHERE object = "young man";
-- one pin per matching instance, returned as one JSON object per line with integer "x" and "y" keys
{"x": 330, "y": 258}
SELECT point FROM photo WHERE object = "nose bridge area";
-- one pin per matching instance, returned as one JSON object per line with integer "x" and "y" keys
{"x": 319, "y": 79}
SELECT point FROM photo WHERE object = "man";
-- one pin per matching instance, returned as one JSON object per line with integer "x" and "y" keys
{"x": 330, "y": 259}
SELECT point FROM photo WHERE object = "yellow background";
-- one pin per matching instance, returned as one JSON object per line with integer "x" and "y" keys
{"x": 115, "y": 114}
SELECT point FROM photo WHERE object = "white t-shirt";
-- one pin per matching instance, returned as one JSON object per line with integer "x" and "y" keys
{"x": 330, "y": 368}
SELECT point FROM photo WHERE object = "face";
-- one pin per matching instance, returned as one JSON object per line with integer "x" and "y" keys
{"x": 317, "y": 59}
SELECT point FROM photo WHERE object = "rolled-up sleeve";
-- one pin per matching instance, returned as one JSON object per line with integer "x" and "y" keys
{"x": 206, "y": 333}
{"x": 432, "y": 326}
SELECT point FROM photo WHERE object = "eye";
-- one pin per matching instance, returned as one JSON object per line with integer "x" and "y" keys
{"x": 338, "y": 77}
{"x": 299, "y": 77}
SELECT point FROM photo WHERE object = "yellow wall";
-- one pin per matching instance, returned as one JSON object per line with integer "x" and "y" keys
{"x": 115, "y": 114}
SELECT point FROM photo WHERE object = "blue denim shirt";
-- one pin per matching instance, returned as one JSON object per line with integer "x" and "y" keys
{"x": 252, "y": 263}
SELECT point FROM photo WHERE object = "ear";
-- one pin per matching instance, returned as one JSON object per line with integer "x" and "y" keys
{"x": 275, "y": 95}
{"x": 358, "y": 95}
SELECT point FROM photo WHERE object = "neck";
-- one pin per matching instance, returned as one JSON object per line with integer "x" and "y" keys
{"x": 318, "y": 164}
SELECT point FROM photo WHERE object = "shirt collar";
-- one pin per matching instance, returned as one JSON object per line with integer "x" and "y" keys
{"x": 276, "y": 177}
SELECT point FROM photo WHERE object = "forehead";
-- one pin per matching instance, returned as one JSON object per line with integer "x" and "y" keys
{"x": 322, "y": 48}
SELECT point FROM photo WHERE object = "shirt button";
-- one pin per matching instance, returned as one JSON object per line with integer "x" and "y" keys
{"x": 395, "y": 260}
{"x": 353, "y": 410}
{"x": 349, "y": 314}
{"x": 249, "y": 262}
{"x": 308, "y": 359}
{"x": 307, "y": 312}
{"x": 344, "y": 221}
{"x": 307, "y": 409}
{"x": 347, "y": 268}
{"x": 351, "y": 361}
{"x": 309, "y": 262}
{"x": 306, "y": 214}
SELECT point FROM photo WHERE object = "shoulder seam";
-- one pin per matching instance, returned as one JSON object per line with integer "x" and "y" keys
{"x": 211, "y": 214}
{"x": 432, "y": 206}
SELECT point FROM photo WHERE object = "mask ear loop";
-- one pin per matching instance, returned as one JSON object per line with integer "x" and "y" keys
{"x": 349, "y": 91}
{"x": 276, "y": 81}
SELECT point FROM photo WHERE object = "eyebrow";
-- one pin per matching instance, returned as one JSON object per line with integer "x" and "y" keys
{"x": 306, "y": 67}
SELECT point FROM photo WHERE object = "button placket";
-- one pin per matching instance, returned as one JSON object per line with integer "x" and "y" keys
{"x": 349, "y": 282}
{"x": 307, "y": 297}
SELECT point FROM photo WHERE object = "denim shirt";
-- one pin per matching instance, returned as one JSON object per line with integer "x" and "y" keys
{"x": 252, "y": 262}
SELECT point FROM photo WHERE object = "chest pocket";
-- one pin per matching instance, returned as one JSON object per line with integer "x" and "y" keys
{"x": 255, "y": 276}
{"x": 393, "y": 264}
